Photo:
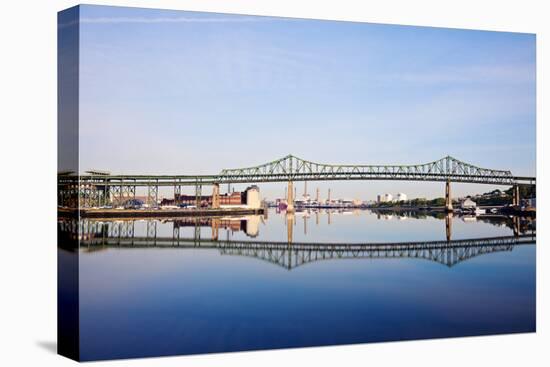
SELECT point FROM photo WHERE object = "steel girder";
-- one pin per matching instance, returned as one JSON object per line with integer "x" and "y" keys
{"x": 291, "y": 168}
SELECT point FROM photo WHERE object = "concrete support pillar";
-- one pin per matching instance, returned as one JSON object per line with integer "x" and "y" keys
{"x": 516, "y": 199}
{"x": 289, "y": 226}
{"x": 215, "y": 228}
{"x": 448, "y": 198}
{"x": 449, "y": 226}
{"x": 290, "y": 197}
{"x": 216, "y": 196}
{"x": 516, "y": 226}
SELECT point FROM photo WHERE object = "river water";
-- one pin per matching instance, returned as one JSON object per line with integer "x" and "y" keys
{"x": 165, "y": 287}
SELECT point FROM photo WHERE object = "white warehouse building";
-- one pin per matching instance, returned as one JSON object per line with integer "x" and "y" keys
{"x": 386, "y": 198}
{"x": 401, "y": 197}
{"x": 253, "y": 200}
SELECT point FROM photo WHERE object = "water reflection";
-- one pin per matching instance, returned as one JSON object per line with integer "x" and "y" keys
{"x": 185, "y": 233}
{"x": 199, "y": 285}
{"x": 249, "y": 225}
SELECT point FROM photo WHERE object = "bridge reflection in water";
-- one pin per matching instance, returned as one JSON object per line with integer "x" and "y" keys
{"x": 94, "y": 235}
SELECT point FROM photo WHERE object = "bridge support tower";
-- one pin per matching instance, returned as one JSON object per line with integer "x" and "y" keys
{"x": 290, "y": 197}
{"x": 449, "y": 226}
{"x": 289, "y": 227}
{"x": 152, "y": 195}
{"x": 516, "y": 226}
{"x": 216, "y": 196}
{"x": 448, "y": 198}
{"x": 215, "y": 228}
{"x": 516, "y": 199}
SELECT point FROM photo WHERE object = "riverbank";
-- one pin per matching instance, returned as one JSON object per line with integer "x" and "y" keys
{"x": 158, "y": 213}
{"x": 502, "y": 210}
{"x": 434, "y": 209}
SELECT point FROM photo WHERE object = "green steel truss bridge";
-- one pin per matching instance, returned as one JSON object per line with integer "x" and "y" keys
{"x": 92, "y": 185}
{"x": 291, "y": 168}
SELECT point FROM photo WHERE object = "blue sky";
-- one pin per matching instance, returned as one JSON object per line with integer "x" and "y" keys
{"x": 185, "y": 92}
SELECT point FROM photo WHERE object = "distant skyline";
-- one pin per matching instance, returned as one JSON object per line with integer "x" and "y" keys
{"x": 174, "y": 92}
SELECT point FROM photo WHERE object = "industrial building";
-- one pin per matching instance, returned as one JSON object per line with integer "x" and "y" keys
{"x": 401, "y": 197}
{"x": 386, "y": 198}
{"x": 468, "y": 204}
{"x": 249, "y": 199}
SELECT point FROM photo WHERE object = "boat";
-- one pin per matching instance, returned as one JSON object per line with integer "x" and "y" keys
{"x": 479, "y": 211}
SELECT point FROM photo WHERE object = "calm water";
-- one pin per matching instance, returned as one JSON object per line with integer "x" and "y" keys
{"x": 179, "y": 287}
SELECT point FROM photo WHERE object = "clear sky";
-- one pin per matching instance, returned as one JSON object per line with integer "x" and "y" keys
{"x": 185, "y": 92}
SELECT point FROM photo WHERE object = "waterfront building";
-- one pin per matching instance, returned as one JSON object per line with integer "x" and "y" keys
{"x": 385, "y": 198}
{"x": 250, "y": 199}
{"x": 468, "y": 204}
{"x": 346, "y": 202}
{"x": 253, "y": 200}
{"x": 232, "y": 199}
{"x": 401, "y": 197}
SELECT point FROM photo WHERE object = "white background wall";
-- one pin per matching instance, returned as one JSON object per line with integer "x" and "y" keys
{"x": 28, "y": 166}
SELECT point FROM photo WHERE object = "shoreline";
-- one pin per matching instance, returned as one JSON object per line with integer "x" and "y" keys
{"x": 156, "y": 213}
{"x": 501, "y": 210}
